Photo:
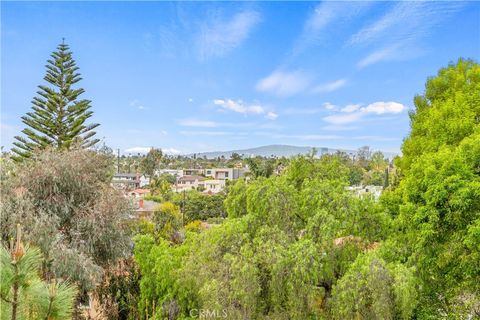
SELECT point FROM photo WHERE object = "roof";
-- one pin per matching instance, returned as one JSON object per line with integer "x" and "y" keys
{"x": 191, "y": 178}
{"x": 125, "y": 175}
{"x": 141, "y": 191}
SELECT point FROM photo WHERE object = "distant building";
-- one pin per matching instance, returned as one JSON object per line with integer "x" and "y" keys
{"x": 173, "y": 172}
{"x": 145, "y": 208}
{"x": 188, "y": 182}
{"x": 362, "y": 191}
{"x": 213, "y": 186}
{"x": 138, "y": 193}
{"x": 217, "y": 173}
{"x": 129, "y": 181}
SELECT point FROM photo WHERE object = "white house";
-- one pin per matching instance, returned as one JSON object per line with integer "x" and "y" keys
{"x": 217, "y": 173}
{"x": 362, "y": 191}
{"x": 186, "y": 183}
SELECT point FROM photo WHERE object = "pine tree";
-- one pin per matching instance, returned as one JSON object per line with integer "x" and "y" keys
{"x": 23, "y": 294}
{"x": 58, "y": 115}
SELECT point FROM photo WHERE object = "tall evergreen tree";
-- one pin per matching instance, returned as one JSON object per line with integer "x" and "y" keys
{"x": 58, "y": 115}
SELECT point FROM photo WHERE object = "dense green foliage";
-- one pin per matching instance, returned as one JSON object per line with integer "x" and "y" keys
{"x": 151, "y": 162}
{"x": 298, "y": 245}
{"x": 195, "y": 205}
{"x": 290, "y": 241}
{"x": 65, "y": 203}
{"x": 437, "y": 202}
{"x": 276, "y": 254}
{"x": 58, "y": 116}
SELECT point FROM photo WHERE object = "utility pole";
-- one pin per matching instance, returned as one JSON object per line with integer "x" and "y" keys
{"x": 118, "y": 160}
{"x": 183, "y": 208}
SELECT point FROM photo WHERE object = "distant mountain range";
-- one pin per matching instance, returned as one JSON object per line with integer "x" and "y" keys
{"x": 277, "y": 150}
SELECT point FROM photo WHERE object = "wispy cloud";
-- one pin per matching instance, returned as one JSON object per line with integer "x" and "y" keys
{"x": 190, "y": 122}
{"x": 284, "y": 83}
{"x": 351, "y": 108}
{"x": 245, "y": 108}
{"x": 376, "y": 138}
{"x": 326, "y": 106}
{"x": 384, "y": 107}
{"x": 303, "y": 111}
{"x": 324, "y": 15}
{"x": 288, "y": 83}
{"x": 298, "y": 136}
{"x": 197, "y": 123}
{"x": 330, "y": 86}
{"x": 211, "y": 133}
{"x": 354, "y": 112}
{"x": 271, "y": 115}
{"x": 400, "y": 29}
{"x": 137, "y": 104}
{"x": 171, "y": 151}
{"x": 220, "y": 35}
{"x": 145, "y": 150}
{"x": 142, "y": 150}
{"x": 343, "y": 118}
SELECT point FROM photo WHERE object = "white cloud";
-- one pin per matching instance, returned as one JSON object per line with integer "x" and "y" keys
{"x": 137, "y": 104}
{"x": 298, "y": 136}
{"x": 145, "y": 150}
{"x": 241, "y": 107}
{"x": 207, "y": 133}
{"x": 401, "y": 28}
{"x": 393, "y": 52}
{"x": 375, "y": 138}
{"x": 142, "y": 150}
{"x": 350, "y": 108}
{"x": 171, "y": 151}
{"x": 219, "y": 36}
{"x": 343, "y": 118}
{"x": 197, "y": 123}
{"x": 325, "y": 14}
{"x": 271, "y": 115}
{"x": 354, "y": 112}
{"x": 303, "y": 111}
{"x": 339, "y": 128}
{"x": 384, "y": 107}
{"x": 331, "y": 86}
{"x": 330, "y": 106}
{"x": 283, "y": 83}
{"x": 211, "y": 124}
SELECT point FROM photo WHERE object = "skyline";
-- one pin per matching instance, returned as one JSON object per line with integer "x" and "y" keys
{"x": 199, "y": 77}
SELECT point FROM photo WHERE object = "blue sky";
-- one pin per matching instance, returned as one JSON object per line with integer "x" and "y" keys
{"x": 192, "y": 76}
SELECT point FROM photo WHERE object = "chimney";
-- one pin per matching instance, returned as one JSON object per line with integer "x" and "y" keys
{"x": 140, "y": 204}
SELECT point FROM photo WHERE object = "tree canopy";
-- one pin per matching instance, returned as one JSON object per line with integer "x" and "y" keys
{"x": 58, "y": 117}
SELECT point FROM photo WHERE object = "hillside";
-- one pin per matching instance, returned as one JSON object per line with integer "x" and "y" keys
{"x": 277, "y": 150}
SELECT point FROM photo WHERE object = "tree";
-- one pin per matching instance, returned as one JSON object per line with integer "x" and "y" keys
{"x": 58, "y": 116}
{"x": 198, "y": 206}
{"x": 23, "y": 294}
{"x": 447, "y": 112}
{"x": 437, "y": 202}
{"x": 151, "y": 161}
{"x": 69, "y": 211}
{"x": 371, "y": 289}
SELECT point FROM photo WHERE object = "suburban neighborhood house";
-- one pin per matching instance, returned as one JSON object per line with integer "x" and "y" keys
{"x": 210, "y": 180}
{"x": 129, "y": 181}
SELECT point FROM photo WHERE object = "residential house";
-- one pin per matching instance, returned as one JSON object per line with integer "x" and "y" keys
{"x": 129, "y": 181}
{"x": 188, "y": 182}
{"x": 138, "y": 193}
